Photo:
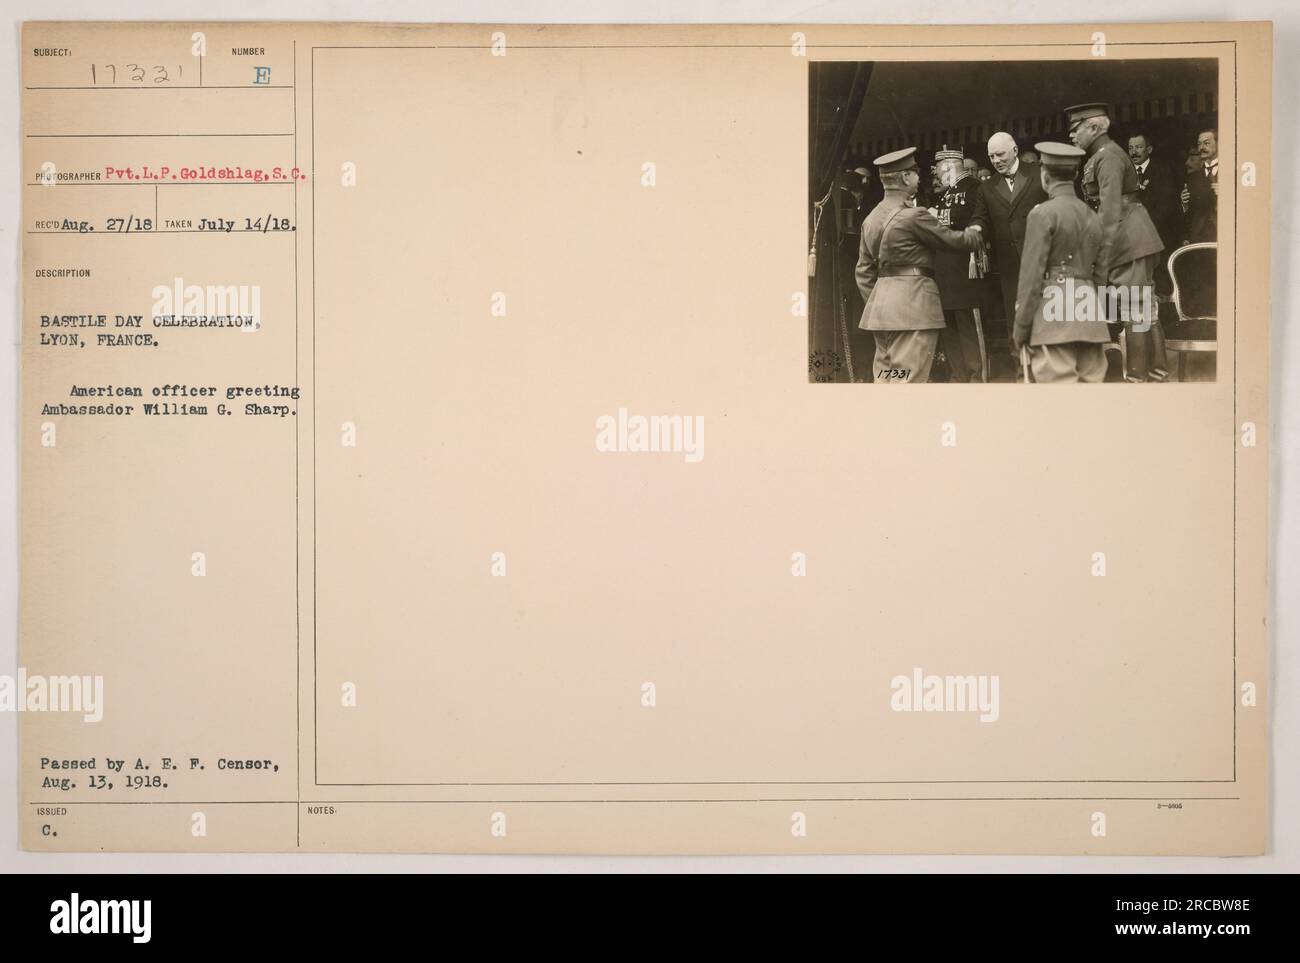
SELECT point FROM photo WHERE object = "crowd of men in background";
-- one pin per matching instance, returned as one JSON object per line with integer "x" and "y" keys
{"x": 1181, "y": 201}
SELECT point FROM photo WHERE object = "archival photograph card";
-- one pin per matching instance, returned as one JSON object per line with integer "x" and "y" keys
{"x": 473, "y": 439}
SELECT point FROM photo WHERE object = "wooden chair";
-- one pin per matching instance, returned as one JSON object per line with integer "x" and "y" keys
{"x": 1194, "y": 271}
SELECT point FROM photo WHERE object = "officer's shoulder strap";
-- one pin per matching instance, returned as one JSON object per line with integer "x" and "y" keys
{"x": 884, "y": 228}
{"x": 895, "y": 216}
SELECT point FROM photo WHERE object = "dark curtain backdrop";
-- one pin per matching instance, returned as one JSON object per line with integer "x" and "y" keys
{"x": 835, "y": 96}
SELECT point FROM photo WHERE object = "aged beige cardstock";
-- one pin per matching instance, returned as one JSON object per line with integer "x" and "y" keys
{"x": 376, "y": 560}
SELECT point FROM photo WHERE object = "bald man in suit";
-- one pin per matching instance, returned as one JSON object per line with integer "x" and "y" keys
{"x": 1002, "y": 206}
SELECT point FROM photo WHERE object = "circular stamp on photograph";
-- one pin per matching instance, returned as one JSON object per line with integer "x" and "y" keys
{"x": 824, "y": 365}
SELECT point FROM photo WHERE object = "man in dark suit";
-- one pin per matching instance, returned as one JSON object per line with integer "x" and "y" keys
{"x": 1201, "y": 193}
{"x": 1002, "y": 205}
{"x": 1158, "y": 188}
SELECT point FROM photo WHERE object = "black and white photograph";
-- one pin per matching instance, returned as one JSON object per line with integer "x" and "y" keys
{"x": 1013, "y": 221}
{"x": 410, "y": 467}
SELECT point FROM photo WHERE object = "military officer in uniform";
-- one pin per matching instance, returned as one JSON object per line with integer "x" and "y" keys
{"x": 1130, "y": 244}
{"x": 895, "y": 273}
{"x": 961, "y": 295}
{"x": 1058, "y": 321}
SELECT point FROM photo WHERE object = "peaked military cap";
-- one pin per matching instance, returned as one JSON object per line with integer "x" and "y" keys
{"x": 1054, "y": 155}
{"x": 1081, "y": 112}
{"x": 899, "y": 160}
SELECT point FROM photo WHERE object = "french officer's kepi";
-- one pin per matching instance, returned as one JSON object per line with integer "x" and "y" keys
{"x": 899, "y": 160}
{"x": 948, "y": 153}
{"x": 1081, "y": 112}
{"x": 1059, "y": 156}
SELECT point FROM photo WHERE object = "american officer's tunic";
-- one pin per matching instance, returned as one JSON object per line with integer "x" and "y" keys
{"x": 1110, "y": 185}
{"x": 895, "y": 274}
{"x": 1130, "y": 248}
{"x": 1056, "y": 311}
